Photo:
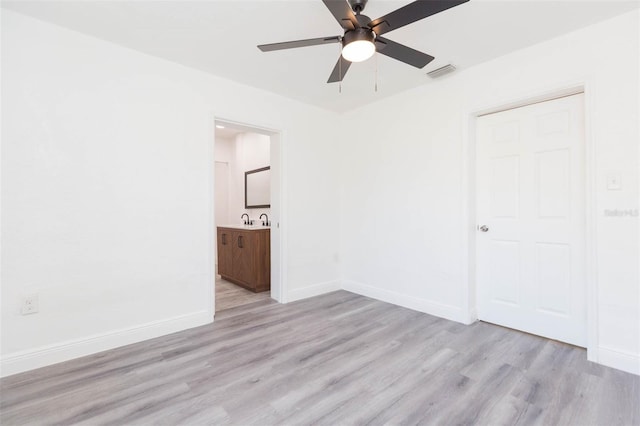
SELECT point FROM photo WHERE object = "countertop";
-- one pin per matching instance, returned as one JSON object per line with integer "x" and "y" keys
{"x": 245, "y": 227}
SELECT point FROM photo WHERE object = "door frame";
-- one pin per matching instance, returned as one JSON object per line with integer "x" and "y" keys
{"x": 469, "y": 171}
{"x": 277, "y": 137}
{"x": 215, "y": 248}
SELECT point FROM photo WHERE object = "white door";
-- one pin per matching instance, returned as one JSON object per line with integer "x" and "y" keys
{"x": 221, "y": 199}
{"x": 530, "y": 201}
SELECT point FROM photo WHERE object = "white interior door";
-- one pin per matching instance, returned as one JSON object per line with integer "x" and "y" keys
{"x": 530, "y": 199}
{"x": 221, "y": 199}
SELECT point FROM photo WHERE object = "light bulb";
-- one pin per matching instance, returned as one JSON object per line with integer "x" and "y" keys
{"x": 358, "y": 50}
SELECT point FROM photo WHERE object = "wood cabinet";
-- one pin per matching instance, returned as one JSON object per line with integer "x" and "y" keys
{"x": 244, "y": 257}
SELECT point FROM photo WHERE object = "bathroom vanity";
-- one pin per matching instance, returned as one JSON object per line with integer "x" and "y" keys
{"x": 244, "y": 256}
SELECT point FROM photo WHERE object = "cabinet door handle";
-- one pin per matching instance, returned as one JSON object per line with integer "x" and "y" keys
{"x": 224, "y": 239}
{"x": 240, "y": 242}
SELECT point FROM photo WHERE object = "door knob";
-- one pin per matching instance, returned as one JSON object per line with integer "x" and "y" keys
{"x": 483, "y": 228}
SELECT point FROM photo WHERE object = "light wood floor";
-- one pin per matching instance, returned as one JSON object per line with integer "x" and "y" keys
{"x": 229, "y": 295}
{"x": 336, "y": 359}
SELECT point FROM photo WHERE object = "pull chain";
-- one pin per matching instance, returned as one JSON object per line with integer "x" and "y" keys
{"x": 340, "y": 69}
{"x": 376, "y": 55}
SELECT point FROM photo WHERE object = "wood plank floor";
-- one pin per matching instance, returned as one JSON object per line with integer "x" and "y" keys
{"x": 229, "y": 295}
{"x": 336, "y": 359}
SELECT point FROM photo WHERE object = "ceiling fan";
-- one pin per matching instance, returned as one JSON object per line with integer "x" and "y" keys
{"x": 363, "y": 36}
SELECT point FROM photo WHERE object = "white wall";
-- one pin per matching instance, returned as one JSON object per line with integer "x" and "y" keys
{"x": 404, "y": 229}
{"x": 106, "y": 192}
{"x": 224, "y": 149}
{"x": 252, "y": 152}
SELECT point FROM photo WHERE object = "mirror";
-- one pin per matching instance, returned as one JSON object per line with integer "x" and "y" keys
{"x": 257, "y": 188}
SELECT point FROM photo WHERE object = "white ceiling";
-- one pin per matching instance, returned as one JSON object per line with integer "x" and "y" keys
{"x": 227, "y": 132}
{"x": 220, "y": 37}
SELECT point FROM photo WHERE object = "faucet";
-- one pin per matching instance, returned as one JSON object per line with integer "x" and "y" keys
{"x": 265, "y": 222}
{"x": 246, "y": 222}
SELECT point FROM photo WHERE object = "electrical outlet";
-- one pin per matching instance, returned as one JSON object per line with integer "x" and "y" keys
{"x": 30, "y": 305}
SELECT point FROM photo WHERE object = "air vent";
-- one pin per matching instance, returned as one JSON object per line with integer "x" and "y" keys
{"x": 441, "y": 71}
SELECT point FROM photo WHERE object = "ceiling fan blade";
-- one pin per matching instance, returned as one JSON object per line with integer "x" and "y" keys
{"x": 339, "y": 70}
{"x": 402, "y": 53}
{"x": 298, "y": 43}
{"x": 341, "y": 10}
{"x": 412, "y": 12}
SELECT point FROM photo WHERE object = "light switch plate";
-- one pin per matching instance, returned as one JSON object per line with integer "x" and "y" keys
{"x": 613, "y": 182}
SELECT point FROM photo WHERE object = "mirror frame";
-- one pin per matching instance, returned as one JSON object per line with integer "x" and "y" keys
{"x": 247, "y": 206}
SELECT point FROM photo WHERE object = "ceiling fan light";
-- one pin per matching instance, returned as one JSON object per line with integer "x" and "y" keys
{"x": 358, "y": 51}
{"x": 358, "y": 45}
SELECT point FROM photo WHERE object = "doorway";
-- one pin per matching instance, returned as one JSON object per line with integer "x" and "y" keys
{"x": 531, "y": 219}
{"x": 238, "y": 151}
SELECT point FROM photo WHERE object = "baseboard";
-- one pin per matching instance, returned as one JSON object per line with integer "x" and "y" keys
{"x": 624, "y": 361}
{"x": 471, "y": 317}
{"x": 313, "y": 290}
{"x": 53, "y": 354}
{"x": 449, "y": 312}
